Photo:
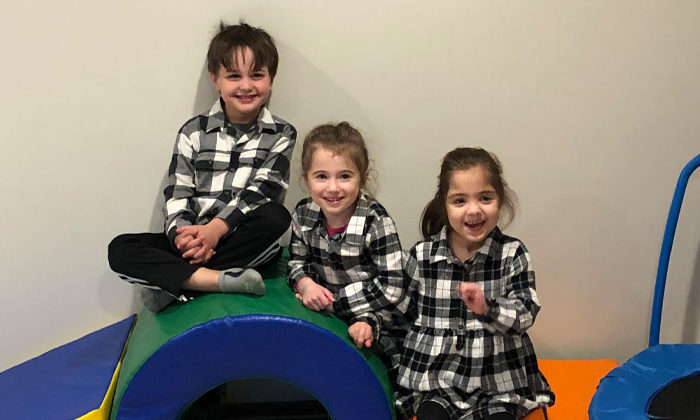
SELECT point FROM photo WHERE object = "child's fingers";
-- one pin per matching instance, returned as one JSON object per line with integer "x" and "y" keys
{"x": 355, "y": 334}
{"x": 192, "y": 229}
{"x": 189, "y": 253}
{"x": 298, "y": 296}
{"x": 207, "y": 256}
{"x": 329, "y": 295}
{"x": 195, "y": 242}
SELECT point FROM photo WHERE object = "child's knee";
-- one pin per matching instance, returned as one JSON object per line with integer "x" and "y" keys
{"x": 275, "y": 219}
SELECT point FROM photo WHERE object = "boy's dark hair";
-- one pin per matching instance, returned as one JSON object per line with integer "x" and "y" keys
{"x": 434, "y": 215}
{"x": 232, "y": 37}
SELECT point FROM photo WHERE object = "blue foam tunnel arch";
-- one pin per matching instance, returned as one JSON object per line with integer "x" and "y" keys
{"x": 169, "y": 365}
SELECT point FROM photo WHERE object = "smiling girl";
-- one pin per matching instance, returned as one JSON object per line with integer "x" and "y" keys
{"x": 467, "y": 355}
{"x": 345, "y": 254}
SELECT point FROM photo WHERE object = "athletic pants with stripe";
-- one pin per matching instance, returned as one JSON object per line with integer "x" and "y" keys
{"x": 148, "y": 259}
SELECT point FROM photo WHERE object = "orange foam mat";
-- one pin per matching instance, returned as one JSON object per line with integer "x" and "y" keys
{"x": 574, "y": 382}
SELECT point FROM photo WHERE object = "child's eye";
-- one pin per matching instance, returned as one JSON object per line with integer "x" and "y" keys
{"x": 234, "y": 76}
{"x": 486, "y": 199}
{"x": 321, "y": 176}
{"x": 346, "y": 176}
{"x": 458, "y": 201}
{"x": 258, "y": 75}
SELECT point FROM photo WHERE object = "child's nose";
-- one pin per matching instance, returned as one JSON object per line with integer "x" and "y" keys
{"x": 333, "y": 185}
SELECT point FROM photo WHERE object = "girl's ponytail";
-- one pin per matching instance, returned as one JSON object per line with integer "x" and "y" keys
{"x": 433, "y": 217}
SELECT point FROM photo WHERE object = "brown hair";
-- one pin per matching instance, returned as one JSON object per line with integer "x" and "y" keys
{"x": 434, "y": 215}
{"x": 232, "y": 37}
{"x": 342, "y": 139}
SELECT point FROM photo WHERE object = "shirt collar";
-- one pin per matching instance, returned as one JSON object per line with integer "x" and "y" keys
{"x": 356, "y": 225}
{"x": 441, "y": 246}
{"x": 217, "y": 119}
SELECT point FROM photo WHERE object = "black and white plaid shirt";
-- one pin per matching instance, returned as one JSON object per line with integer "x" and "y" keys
{"x": 471, "y": 364}
{"x": 361, "y": 266}
{"x": 217, "y": 170}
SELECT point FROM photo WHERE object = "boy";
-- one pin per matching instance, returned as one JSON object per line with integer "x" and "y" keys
{"x": 228, "y": 174}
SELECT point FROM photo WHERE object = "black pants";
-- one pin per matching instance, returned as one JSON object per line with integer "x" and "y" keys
{"x": 430, "y": 410}
{"x": 149, "y": 259}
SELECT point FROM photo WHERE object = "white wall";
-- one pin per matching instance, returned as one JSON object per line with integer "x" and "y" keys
{"x": 592, "y": 107}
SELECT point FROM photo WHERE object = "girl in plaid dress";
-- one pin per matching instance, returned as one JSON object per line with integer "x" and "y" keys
{"x": 467, "y": 355}
{"x": 345, "y": 254}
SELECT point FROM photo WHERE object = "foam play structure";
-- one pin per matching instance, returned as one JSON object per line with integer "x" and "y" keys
{"x": 175, "y": 356}
{"x": 662, "y": 381}
{"x": 155, "y": 366}
{"x": 74, "y": 381}
{"x": 179, "y": 354}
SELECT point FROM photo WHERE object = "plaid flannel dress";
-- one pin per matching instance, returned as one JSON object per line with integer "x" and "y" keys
{"x": 362, "y": 266}
{"x": 471, "y": 364}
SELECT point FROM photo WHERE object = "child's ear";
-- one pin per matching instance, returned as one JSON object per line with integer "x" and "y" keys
{"x": 215, "y": 81}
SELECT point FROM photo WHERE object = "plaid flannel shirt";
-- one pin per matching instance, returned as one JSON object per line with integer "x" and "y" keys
{"x": 471, "y": 364}
{"x": 362, "y": 266}
{"x": 217, "y": 170}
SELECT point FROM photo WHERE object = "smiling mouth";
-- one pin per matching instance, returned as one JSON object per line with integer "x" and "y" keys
{"x": 474, "y": 226}
{"x": 333, "y": 199}
{"x": 246, "y": 98}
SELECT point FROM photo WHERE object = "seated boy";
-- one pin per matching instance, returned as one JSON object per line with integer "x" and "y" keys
{"x": 227, "y": 177}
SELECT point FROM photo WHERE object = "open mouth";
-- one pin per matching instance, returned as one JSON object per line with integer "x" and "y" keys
{"x": 475, "y": 226}
{"x": 333, "y": 200}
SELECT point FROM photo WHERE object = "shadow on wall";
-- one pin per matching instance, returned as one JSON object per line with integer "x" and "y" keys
{"x": 692, "y": 314}
{"x": 205, "y": 97}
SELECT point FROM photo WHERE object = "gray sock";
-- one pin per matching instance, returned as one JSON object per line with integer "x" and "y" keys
{"x": 240, "y": 280}
{"x": 155, "y": 300}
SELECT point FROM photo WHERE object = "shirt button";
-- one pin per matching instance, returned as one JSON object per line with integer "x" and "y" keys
{"x": 215, "y": 211}
{"x": 461, "y": 325}
{"x": 231, "y": 170}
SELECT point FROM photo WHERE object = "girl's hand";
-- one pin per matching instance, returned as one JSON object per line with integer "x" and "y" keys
{"x": 361, "y": 334}
{"x": 313, "y": 295}
{"x": 473, "y": 297}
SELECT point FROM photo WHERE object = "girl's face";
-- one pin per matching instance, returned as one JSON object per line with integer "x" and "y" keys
{"x": 472, "y": 210}
{"x": 334, "y": 183}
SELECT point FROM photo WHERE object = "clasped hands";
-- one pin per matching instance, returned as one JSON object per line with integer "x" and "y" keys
{"x": 197, "y": 242}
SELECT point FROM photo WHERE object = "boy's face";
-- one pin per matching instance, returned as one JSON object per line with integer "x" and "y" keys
{"x": 243, "y": 89}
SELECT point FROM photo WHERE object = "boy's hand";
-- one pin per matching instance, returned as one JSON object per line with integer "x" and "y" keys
{"x": 200, "y": 255}
{"x": 361, "y": 334}
{"x": 208, "y": 234}
{"x": 473, "y": 297}
{"x": 313, "y": 295}
{"x": 204, "y": 240}
{"x": 181, "y": 241}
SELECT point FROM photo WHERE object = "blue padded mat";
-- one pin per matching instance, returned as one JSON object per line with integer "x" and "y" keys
{"x": 66, "y": 382}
